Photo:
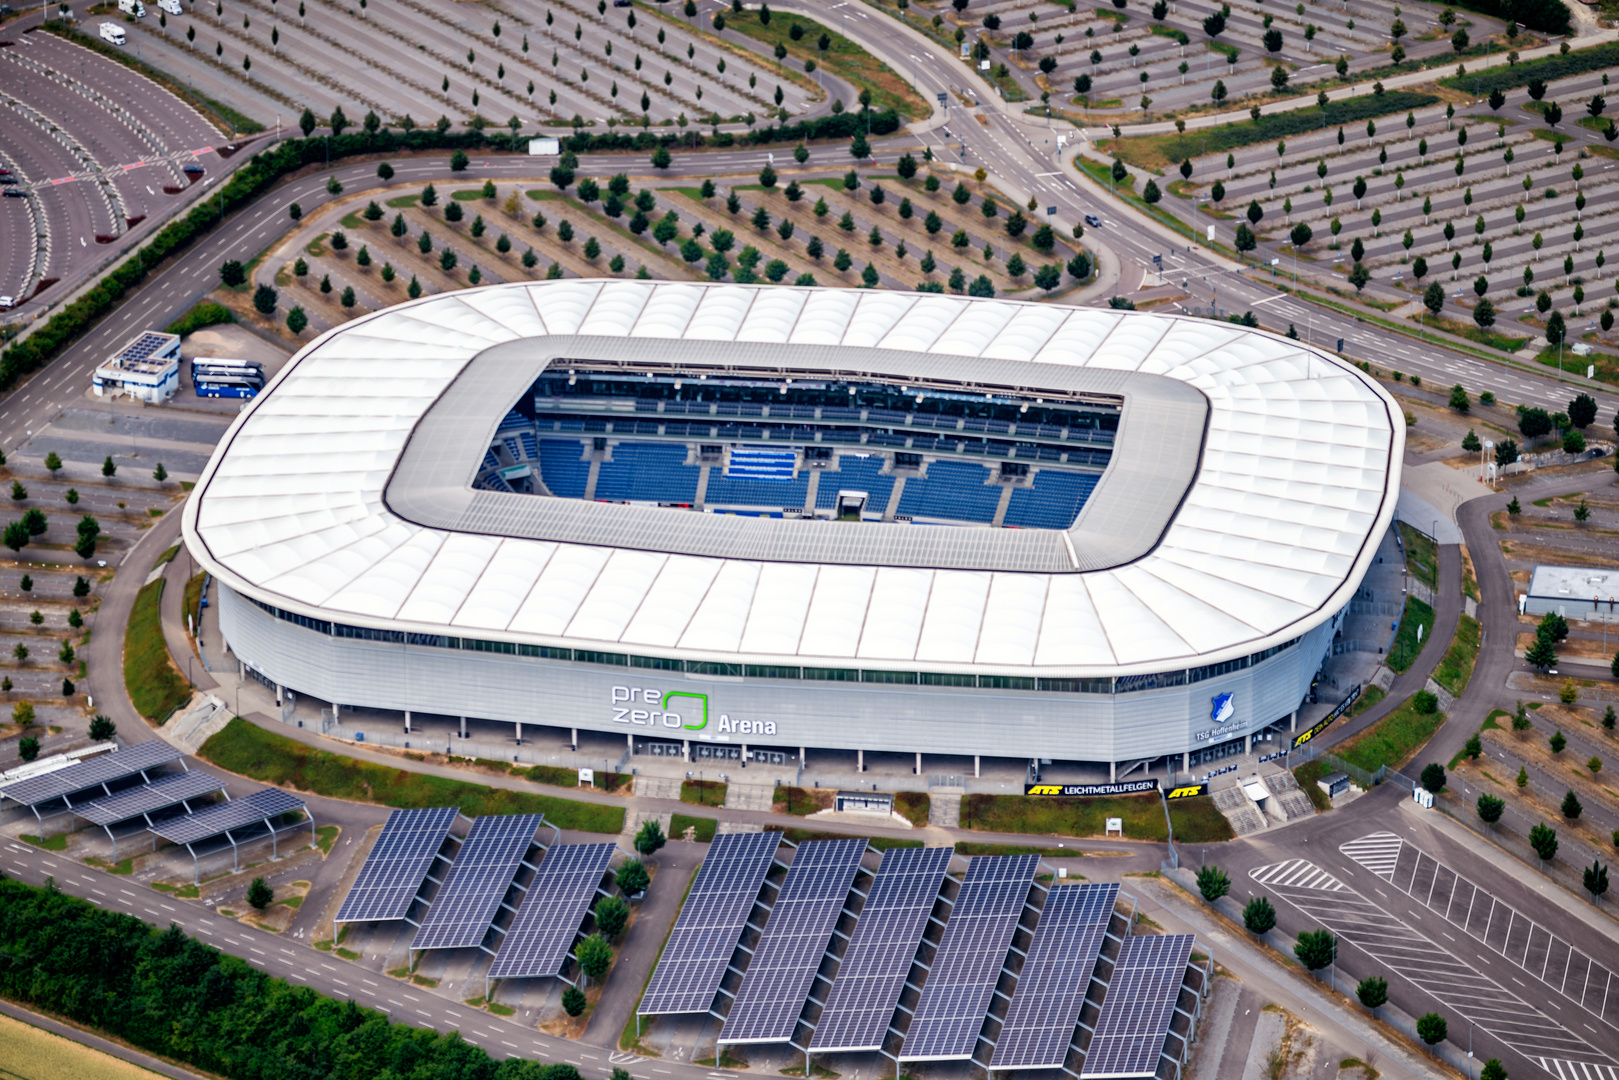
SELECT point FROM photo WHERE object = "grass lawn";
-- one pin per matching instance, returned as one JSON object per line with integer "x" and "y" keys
{"x": 50, "y": 843}
{"x": 1421, "y": 555}
{"x": 1457, "y": 665}
{"x": 913, "y": 806}
{"x": 844, "y": 59}
{"x": 703, "y": 792}
{"x": 967, "y": 847}
{"x": 250, "y": 751}
{"x": 703, "y": 827}
{"x": 1307, "y": 775}
{"x": 1473, "y": 332}
{"x": 1403, "y": 653}
{"x": 155, "y": 688}
{"x": 1392, "y": 740}
{"x": 1196, "y": 820}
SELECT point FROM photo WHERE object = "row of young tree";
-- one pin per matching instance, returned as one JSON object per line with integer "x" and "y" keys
{"x": 169, "y": 994}
{"x": 1318, "y": 949}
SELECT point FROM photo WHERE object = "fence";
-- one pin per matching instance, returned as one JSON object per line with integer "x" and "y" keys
{"x": 1309, "y": 752}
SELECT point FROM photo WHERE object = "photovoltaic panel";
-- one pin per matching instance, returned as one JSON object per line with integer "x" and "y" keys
{"x": 537, "y": 944}
{"x": 106, "y": 769}
{"x": 956, "y": 997}
{"x": 465, "y": 905}
{"x": 162, "y": 793}
{"x": 1140, "y": 1003}
{"x": 872, "y": 976}
{"x": 710, "y": 924}
{"x": 790, "y": 950}
{"x": 220, "y": 818}
{"x": 1051, "y": 989}
{"x": 399, "y": 862}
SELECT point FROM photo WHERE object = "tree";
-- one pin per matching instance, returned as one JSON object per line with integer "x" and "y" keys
{"x": 1434, "y": 299}
{"x": 1213, "y": 883}
{"x": 1493, "y": 1069}
{"x": 81, "y": 587}
{"x": 1259, "y": 916}
{"x": 1214, "y": 25}
{"x": 28, "y": 748}
{"x": 1543, "y": 839}
{"x": 1458, "y": 393}
{"x": 1571, "y": 807}
{"x": 595, "y": 956}
{"x": 231, "y": 273}
{"x": 632, "y": 878}
{"x": 264, "y": 300}
{"x": 297, "y": 320}
{"x": 650, "y": 837}
{"x": 1315, "y": 949}
{"x": 1484, "y": 313}
{"x": 1534, "y": 423}
{"x": 259, "y": 894}
{"x": 1301, "y": 235}
{"x": 1542, "y": 654}
{"x": 1596, "y": 880}
{"x": 612, "y": 915}
{"x": 1471, "y": 442}
{"x": 1553, "y": 626}
{"x": 1582, "y": 411}
{"x": 1373, "y": 992}
{"x": 16, "y": 536}
{"x": 102, "y": 729}
{"x": 1359, "y": 276}
{"x": 661, "y": 159}
{"x": 1433, "y": 777}
{"x": 1556, "y": 329}
{"x": 573, "y": 1001}
{"x": 1431, "y": 1028}
{"x": 1490, "y": 809}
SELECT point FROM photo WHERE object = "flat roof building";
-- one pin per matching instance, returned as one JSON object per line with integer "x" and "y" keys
{"x": 146, "y": 368}
{"x": 1574, "y": 592}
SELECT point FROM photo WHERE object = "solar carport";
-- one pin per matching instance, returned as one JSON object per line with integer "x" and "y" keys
{"x": 236, "y": 822}
{"x": 148, "y": 802}
{"x": 66, "y": 790}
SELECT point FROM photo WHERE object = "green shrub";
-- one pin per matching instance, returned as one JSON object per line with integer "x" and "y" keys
{"x": 207, "y": 313}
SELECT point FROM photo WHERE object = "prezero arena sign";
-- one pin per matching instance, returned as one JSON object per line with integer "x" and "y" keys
{"x": 646, "y": 706}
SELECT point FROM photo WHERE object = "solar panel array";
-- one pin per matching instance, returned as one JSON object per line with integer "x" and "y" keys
{"x": 398, "y": 864}
{"x": 538, "y": 941}
{"x": 160, "y": 794}
{"x": 121, "y": 765}
{"x": 464, "y": 907}
{"x": 790, "y": 950}
{"x": 872, "y": 976}
{"x": 222, "y": 817}
{"x": 710, "y": 924}
{"x": 1051, "y": 989}
{"x": 1140, "y": 1003}
{"x": 956, "y": 997}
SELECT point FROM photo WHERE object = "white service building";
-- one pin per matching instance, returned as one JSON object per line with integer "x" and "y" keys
{"x": 146, "y": 368}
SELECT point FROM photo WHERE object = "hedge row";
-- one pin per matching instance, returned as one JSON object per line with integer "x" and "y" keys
{"x": 174, "y": 996}
{"x": 263, "y": 170}
{"x": 1547, "y": 16}
{"x": 1282, "y": 125}
{"x": 1546, "y": 68}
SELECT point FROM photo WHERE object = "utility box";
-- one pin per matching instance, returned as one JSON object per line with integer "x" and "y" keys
{"x": 1334, "y": 784}
{"x": 542, "y": 147}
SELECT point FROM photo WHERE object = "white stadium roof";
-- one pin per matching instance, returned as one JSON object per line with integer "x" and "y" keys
{"x": 1300, "y": 464}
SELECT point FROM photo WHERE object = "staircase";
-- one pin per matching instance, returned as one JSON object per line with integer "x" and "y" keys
{"x": 749, "y": 796}
{"x": 944, "y": 806}
{"x": 1288, "y": 797}
{"x": 634, "y": 819}
{"x": 1244, "y": 816}
{"x": 657, "y": 787}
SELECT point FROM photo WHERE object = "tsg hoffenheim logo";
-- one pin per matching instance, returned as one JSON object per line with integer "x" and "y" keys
{"x": 1222, "y": 709}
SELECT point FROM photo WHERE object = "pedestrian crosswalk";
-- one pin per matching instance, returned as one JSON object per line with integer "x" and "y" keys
{"x": 1578, "y": 1070}
{"x": 1378, "y": 852}
{"x": 1297, "y": 874}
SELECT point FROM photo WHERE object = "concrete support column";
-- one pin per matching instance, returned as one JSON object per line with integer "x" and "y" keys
{"x": 279, "y": 694}
{"x": 744, "y": 755}
{"x": 1293, "y": 720}
{"x": 241, "y": 670}
{"x": 519, "y": 733}
{"x": 629, "y": 740}
{"x": 685, "y": 750}
{"x": 975, "y": 766}
{"x": 1186, "y": 762}
{"x": 407, "y": 721}
{"x": 803, "y": 758}
{"x": 1112, "y": 772}
{"x": 860, "y": 761}
{"x": 1248, "y": 743}
{"x": 919, "y": 763}
{"x": 463, "y": 727}
{"x": 573, "y": 739}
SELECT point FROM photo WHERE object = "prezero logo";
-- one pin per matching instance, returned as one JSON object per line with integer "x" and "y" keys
{"x": 655, "y": 710}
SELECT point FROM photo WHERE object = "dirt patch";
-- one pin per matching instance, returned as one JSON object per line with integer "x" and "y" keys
{"x": 1570, "y": 646}
{"x": 1530, "y": 552}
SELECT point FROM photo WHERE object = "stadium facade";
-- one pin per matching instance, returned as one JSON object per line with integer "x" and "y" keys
{"x": 743, "y": 518}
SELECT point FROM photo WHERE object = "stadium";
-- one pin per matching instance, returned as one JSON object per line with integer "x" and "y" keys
{"x": 718, "y": 520}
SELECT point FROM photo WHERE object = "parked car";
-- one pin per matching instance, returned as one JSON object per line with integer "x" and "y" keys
{"x": 7, "y": 302}
{"x": 14, "y": 193}
{"x": 1093, "y": 221}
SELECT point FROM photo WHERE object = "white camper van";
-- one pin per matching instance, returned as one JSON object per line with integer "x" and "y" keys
{"x": 113, "y": 33}
{"x": 171, "y": 6}
{"x": 132, "y": 7}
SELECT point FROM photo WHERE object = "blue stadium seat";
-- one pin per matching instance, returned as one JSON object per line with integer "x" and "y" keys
{"x": 648, "y": 472}
{"x": 762, "y": 463}
{"x": 954, "y": 491}
{"x": 748, "y": 491}
{"x": 1052, "y": 502}
{"x": 562, "y": 469}
{"x": 855, "y": 474}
